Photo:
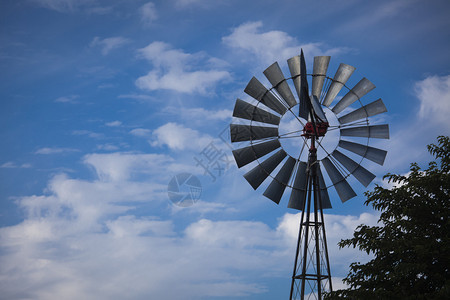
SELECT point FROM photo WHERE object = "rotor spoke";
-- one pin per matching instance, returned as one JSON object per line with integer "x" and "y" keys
{"x": 290, "y": 137}
{"x": 292, "y": 132}
{"x": 342, "y": 170}
{"x": 323, "y": 148}
{"x": 263, "y": 139}
{"x": 301, "y": 150}
{"x": 359, "y": 123}
{"x": 297, "y": 117}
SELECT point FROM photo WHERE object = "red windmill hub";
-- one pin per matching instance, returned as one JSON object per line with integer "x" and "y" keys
{"x": 309, "y": 130}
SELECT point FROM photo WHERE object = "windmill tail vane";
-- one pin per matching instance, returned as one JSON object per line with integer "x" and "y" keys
{"x": 260, "y": 122}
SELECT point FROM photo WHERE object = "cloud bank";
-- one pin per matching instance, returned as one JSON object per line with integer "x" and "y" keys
{"x": 175, "y": 70}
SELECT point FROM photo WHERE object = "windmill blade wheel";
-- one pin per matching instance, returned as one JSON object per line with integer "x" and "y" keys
{"x": 261, "y": 141}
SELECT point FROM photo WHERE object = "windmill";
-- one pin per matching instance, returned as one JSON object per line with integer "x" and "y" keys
{"x": 265, "y": 146}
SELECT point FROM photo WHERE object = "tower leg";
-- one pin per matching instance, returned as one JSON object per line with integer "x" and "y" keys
{"x": 311, "y": 276}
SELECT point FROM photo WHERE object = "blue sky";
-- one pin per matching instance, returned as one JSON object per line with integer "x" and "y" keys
{"x": 103, "y": 102}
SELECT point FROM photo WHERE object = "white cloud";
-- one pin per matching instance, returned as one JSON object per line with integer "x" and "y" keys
{"x": 199, "y": 113}
{"x": 204, "y": 207}
{"x": 434, "y": 95}
{"x": 85, "y": 204}
{"x": 81, "y": 240}
{"x": 148, "y": 13}
{"x": 137, "y": 97}
{"x": 217, "y": 234}
{"x": 378, "y": 14}
{"x": 114, "y": 124}
{"x": 67, "y": 99}
{"x": 141, "y": 132}
{"x": 385, "y": 183}
{"x": 12, "y": 165}
{"x": 87, "y": 133}
{"x": 178, "y": 71}
{"x": 78, "y": 241}
{"x": 9, "y": 164}
{"x": 106, "y": 86}
{"x": 108, "y": 147}
{"x": 135, "y": 258}
{"x": 422, "y": 128}
{"x": 188, "y": 2}
{"x": 64, "y": 5}
{"x": 80, "y": 252}
{"x": 161, "y": 54}
{"x": 71, "y": 6}
{"x": 54, "y": 150}
{"x": 182, "y": 4}
{"x": 178, "y": 137}
{"x": 120, "y": 166}
{"x": 109, "y": 44}
{"x": 337, "y": 227}
{"x": 131, "y": 226}
{"x": 272, "y": 45}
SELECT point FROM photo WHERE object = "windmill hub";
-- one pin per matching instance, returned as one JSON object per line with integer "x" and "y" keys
{"x": 291, "y": 129}
{"x": 310, "y": 130}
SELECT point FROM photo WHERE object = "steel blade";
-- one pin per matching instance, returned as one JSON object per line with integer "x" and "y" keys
{"x": 258, "y": 91}
{"x": 258, "y": 174}
{"x": 276, "y": 78}
{"x": 240, "y": 133}
{"x": 358, "y": 171}
{"x": 248, "y": 111}
{"x": 374, "y": 154}
{"x": 294, "y": 68}
{"x": 276, "y": 188}
{"x": 341, "y": 185}
{"x": 248, "y": 154}
{"x": 357, "y": 92}
{"x": 323, "y": 190}
{"x": 340, "y": 79}
{"x": 376, "y": 131}
{"x": 319, "y": 73}
{"x": 369, "y": 110}
{"x": 298, "y": 194}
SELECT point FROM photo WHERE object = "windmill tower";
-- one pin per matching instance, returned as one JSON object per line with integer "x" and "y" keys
{"x": 266, "y": 147}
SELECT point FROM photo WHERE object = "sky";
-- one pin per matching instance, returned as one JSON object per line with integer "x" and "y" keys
{"x": 102, "y": 103}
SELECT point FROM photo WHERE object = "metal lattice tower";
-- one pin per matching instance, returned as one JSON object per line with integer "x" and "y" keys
{"x": 311, "y": 276}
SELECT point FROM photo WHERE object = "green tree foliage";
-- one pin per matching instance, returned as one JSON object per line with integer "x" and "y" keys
{"x": 411, "y": 245}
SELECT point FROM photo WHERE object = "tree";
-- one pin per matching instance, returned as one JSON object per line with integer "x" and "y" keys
{"x": 410, "y": 245}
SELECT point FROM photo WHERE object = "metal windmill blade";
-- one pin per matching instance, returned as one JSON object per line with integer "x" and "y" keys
{"x": 319, "y": 74}
{"x": 259, "y": 92}
{"x": 369, "y": 110}
{"x": 276, "y": 78}
{"x": 376, "y": 155}
{"x": 258, "y": 174}
{"x": 247, "y": 111}
{"x": 296, "y": 177}
{"x": 244, "y": 156}
{"x": 357, "y": 92}
{"x": 276, "y": 188}
{"x": 340, "y": 79}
